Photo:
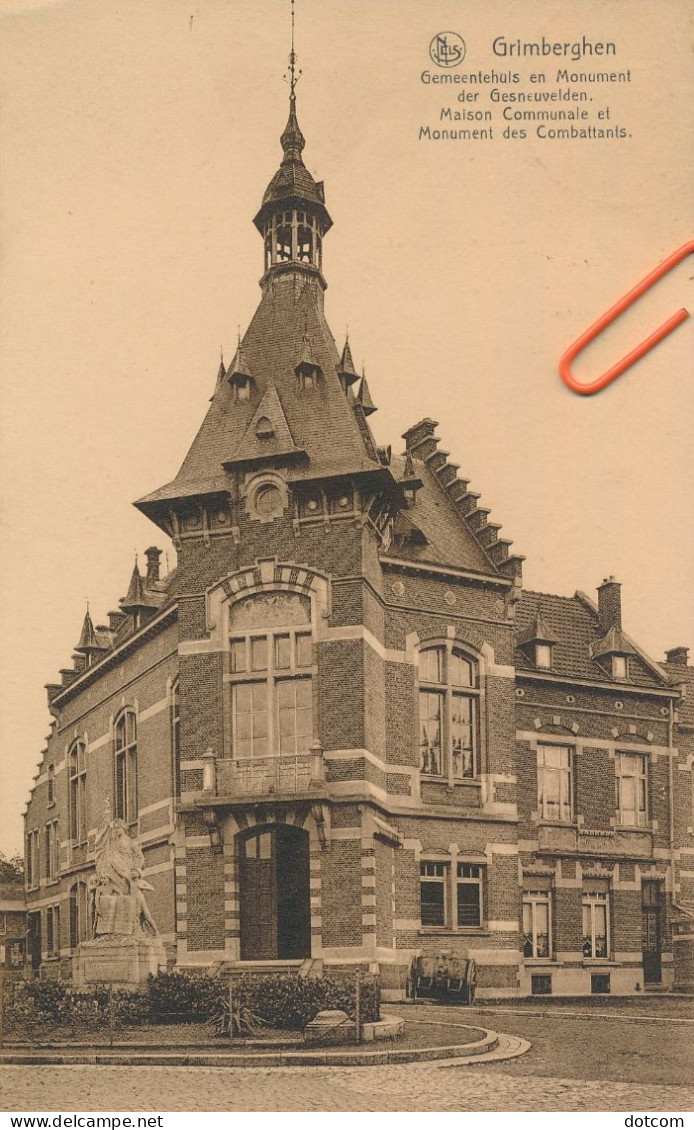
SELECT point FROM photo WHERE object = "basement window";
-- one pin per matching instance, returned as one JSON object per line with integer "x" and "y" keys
{"x": 541, "y": 985}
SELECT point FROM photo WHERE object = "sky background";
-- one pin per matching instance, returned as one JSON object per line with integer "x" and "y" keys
{"x": 137, "y": 140}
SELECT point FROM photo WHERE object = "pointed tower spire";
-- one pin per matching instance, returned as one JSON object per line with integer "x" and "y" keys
{"x": 292, "y": 139}
{"x": 134, "y": 600}
{"x": 364, "y": 397}
{"x": 347, "y": 370}
{"x": 90, "y": 646}
{"x": 293, "y": 218}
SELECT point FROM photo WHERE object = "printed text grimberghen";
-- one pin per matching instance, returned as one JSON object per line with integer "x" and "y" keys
{"x": 558, "y": 104}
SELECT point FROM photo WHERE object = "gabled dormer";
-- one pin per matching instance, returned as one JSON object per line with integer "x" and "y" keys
{"x": 537, "y": 642}
{"x": 240, "y": 377}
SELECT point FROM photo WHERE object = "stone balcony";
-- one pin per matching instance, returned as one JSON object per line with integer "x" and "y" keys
{"x": 288, "y": 776}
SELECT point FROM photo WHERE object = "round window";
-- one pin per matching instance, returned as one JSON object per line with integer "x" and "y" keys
{"x": 268, "y": 500}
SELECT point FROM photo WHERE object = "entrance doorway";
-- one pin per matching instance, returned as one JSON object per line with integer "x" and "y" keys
{"x": 274, "y": 892}
{"x": 652, "y": 943}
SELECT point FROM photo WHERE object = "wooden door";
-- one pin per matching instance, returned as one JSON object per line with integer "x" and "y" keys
{"x": 275, "y": 903}
{"x": 293, "y": 899}
{"x": 258, "y": 898}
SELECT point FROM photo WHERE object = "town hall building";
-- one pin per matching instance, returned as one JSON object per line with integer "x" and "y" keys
{"x": 341, "y": 730}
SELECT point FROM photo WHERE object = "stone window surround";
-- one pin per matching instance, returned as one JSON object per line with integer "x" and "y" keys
{"x": 128, "y": 754}
{"x": 77, "y": 791}
{"x": 627, "y": 742}
{"x": 446, "y": 691}
{"x": 268, "y": 576}
{"x": 483, "y": 656}
{"x": 450, "y": 860}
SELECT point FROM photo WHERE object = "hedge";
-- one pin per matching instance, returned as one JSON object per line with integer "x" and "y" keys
{"x": 280, "y": 1000}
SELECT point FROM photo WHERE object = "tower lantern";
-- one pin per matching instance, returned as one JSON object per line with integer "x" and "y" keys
{"x": 293, "y": 218}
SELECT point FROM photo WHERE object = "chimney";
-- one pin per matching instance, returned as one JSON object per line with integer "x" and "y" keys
{"x": 610, "y": 604}
{"x": 679, "y": 655}
{"x": 152, "y": 554}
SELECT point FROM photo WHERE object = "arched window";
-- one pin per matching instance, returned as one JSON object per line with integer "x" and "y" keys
{"x": 126, "y": 767}
{"x": 79, "y": 925}
{"x": 448, "y": 713}
{"x": 271, "y": 673}
{"x": 77, "y": 792}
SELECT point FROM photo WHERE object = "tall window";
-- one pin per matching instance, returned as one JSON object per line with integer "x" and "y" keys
{"x": 50, "y": 779}
{"x": 554, "y": 782}
{"x": 631, "y": 791}
{"x": 32, "y": 859}
{"x": 51, "y": 848}
{"x": 52, "y": 931}
{"x": 596, "y": 924}
{"x": 537, "y": 924}
{"x": 469, "y": 894}
{"x": 272, "y": 702}
{"x": 79, "y": 928}
{"x": 448, "y": 713}
{"x": 126, "y": 767}
{"x": 77, "y": 792}
{"x": 432, "y": 885}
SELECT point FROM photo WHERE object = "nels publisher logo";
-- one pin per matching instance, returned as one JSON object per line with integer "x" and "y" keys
{"x": 447, "y": 49}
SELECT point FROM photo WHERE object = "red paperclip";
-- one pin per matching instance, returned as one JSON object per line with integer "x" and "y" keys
{"x": 614, "y": 312}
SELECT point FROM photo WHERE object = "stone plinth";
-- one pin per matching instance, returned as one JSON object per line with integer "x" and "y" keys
{"x": 332, "y": 1026}
{"x": 120, "y": 960}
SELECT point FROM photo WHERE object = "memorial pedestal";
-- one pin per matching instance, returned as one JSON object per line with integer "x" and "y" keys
{"x": 119, "y": 960}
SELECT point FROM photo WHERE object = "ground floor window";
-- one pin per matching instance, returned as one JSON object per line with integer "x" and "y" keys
{"x": 459, "y": 908}
{"x": 52, "y": 931}
{"x": 469, "y": 894}
{"x": 537, "y": 936}
{"x": 596, "y": 924}
{"x": 432, "y": 885}
{"x": 541, "y": 985}
{"x": 78, "y": 914}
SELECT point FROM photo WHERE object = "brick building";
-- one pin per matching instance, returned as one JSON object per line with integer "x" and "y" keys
{"x": 340, "y": 729}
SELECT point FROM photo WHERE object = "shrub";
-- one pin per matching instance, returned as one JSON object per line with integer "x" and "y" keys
{"x": 47, "y": 999}
{"x": 194, "y": 996}
{"x": 290, "y": 1001}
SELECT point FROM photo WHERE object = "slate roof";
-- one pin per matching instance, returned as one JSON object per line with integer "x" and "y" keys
{"x": 449, "y": 541}
{"x": 573, "y": 620}
{"x": 320, "y": 421}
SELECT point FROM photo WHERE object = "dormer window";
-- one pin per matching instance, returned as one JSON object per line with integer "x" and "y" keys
{"x": 241, "y": 389}
{"x": 543, "y": 655}
{"x": 620, "y": 667}
{"x": 308, "y": 379}
{"x": 264, "y": 429}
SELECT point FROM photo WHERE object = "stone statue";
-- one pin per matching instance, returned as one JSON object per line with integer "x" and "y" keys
{"x": 117, "y": 902}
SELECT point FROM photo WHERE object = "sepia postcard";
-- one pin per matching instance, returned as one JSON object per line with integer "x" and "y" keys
{"x": 347, "y": 490}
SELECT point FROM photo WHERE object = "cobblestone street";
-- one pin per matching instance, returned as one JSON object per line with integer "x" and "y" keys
{"x": 576, "y": 1063}
{"x": 416, "y": 1087}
